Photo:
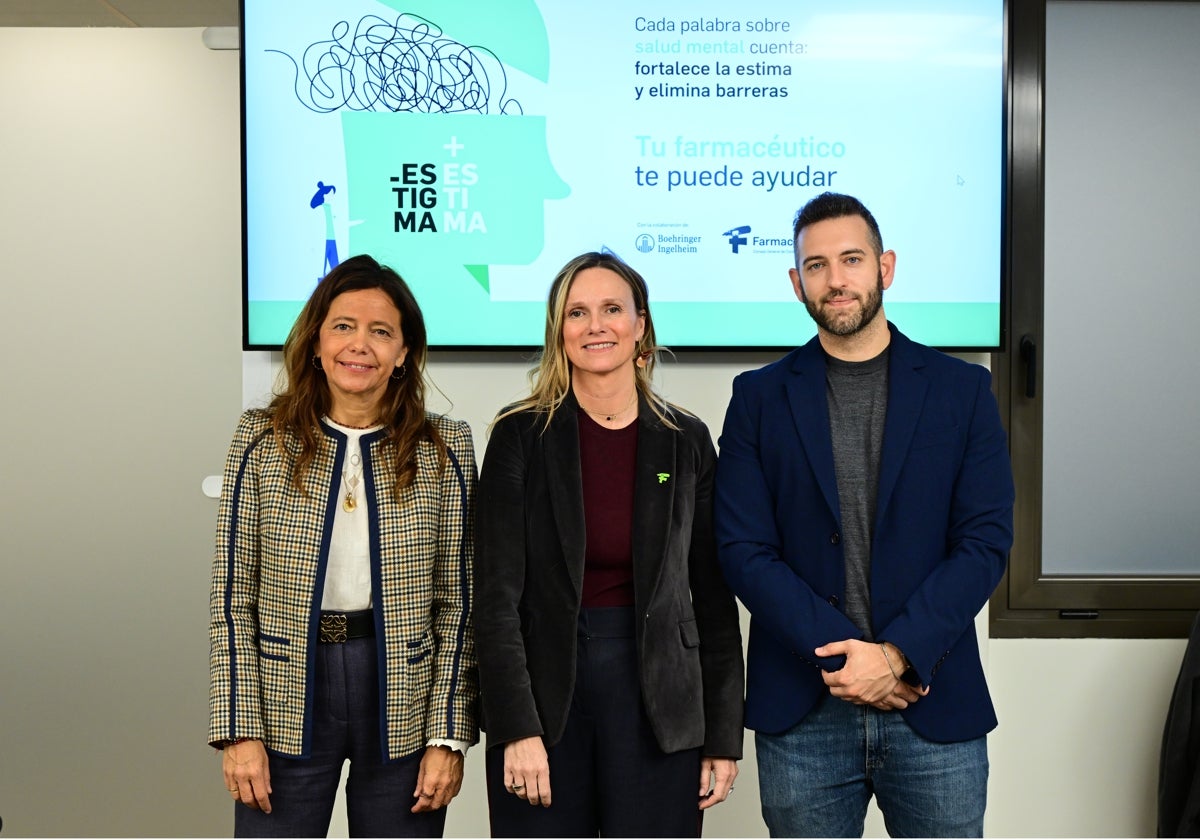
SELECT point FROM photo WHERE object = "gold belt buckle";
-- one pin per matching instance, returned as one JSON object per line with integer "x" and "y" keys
{"x": 333, "y": 628}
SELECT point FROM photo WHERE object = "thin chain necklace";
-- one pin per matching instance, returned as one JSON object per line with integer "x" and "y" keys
{"x": 608, "y": 418}
{"x": 351, "y": 481}
{"x": 357, "y": 428}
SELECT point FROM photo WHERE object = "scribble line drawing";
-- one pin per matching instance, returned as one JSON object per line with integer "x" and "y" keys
{"x": 408, "y": 65}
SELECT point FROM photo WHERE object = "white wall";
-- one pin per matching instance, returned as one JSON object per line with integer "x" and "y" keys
{"x": 120, "y": 323}
{"x": 1081, "y": 722}
{"x": 103, "y": 606}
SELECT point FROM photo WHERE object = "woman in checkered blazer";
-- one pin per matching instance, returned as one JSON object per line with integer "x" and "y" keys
{"x": 342, "y": 579}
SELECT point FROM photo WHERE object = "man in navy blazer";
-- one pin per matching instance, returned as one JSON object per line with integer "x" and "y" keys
{"x": 864, "y": 514}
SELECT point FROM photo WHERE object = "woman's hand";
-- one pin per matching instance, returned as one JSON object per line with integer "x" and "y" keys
{"x": 439, "y": 779}
{"x": 247, "y": 776}
{"x": 716, "y": 780}
{"x": 527, "y": 770}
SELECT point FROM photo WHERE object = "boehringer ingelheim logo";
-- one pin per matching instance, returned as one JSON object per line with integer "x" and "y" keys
{"x": 644, "y": 243}
{"x": 737, "y": 236}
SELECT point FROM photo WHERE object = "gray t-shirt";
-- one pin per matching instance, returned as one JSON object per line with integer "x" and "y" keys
{"x": 857, "y": 394}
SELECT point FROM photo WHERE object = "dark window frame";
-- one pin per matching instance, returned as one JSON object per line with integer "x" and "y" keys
{"x": 1029, "y": 603}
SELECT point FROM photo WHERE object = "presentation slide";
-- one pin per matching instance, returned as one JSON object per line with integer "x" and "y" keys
{"x": 476, "y": 146}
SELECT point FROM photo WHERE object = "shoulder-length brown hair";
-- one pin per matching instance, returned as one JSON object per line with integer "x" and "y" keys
{"x": 304, "y": 397}
{"x": 550, "y": 380}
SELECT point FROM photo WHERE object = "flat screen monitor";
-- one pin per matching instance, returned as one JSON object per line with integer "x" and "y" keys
{"x": 476, "y": 146}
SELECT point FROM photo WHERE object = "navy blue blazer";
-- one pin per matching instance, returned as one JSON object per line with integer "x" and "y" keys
{"x": 942, "y": 531}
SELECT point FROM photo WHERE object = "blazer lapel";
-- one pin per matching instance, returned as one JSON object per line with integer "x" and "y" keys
{"x": 564, "y": 479}
{"x": 810, "y": 413}
{"x": 906, "y": 397}
{"x": 654, "y": 489}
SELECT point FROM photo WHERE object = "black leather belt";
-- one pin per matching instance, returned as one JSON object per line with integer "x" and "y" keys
{"x": 336, "y": 627}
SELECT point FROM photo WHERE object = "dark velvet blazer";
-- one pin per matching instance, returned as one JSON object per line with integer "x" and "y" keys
{"x": 529, "y": 568}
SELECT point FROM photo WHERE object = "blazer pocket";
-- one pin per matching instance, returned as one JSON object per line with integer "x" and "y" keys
{"x": 274, "y": 647}
{"x": 418, "y": 649}
{"x": 275, "y": 676}
{"x": 689, "y": 633}
{"x": 418, "y": 679}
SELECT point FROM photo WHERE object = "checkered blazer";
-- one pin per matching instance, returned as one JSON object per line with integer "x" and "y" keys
{"x": 269, "y": 572}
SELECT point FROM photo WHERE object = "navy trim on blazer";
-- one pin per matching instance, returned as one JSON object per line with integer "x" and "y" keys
{"x": 231, "y": 558}
{"x": 465, "y": 592}
{"x": 365, "y": 442}
{"x": 314, "y": 604}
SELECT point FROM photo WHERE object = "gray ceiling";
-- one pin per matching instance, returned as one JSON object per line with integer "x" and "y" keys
{"x": 126, "y": 13}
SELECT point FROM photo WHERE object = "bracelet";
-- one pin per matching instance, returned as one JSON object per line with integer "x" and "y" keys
{"x": 233, "y": 742}
{"x": 883, "y": 647}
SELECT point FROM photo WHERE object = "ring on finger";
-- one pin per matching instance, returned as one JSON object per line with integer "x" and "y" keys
{"x": 518, "y": 788}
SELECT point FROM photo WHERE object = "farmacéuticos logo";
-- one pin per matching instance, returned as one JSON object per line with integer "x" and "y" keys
{"x": 737, "y": 236}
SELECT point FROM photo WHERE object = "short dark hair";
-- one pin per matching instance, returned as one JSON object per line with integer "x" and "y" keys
{"x": 831, "y": 205}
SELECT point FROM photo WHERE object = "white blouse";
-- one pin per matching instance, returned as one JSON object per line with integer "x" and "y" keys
{"x": 348, "y": 574}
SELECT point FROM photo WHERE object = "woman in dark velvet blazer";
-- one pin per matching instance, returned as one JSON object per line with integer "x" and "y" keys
{"x": 609, "y": 647}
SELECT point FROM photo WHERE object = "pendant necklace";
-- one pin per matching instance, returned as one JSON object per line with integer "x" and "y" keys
{"x": 350, "y": 482}
{"x": 611, "y": 416}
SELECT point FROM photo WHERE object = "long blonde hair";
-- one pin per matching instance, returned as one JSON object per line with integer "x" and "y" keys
{"x": 550, "y": 379}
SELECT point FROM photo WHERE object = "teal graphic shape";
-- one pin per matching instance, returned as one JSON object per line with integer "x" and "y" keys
{"x": 471, "y": 190}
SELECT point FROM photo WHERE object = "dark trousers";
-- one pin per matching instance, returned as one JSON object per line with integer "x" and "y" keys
{"x": 608, "y": 776}
{"x": 345, "y": 727}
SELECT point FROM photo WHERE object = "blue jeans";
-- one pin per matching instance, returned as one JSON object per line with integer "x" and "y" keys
{"x": 817, "y": 778}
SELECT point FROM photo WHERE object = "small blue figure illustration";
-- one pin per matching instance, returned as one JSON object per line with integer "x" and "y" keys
{"x": 319, "y": 200}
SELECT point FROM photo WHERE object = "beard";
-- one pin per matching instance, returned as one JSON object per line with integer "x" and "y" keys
{"x": 846, "y": 323}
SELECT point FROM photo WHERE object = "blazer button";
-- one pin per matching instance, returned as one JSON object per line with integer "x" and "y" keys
{"x": 938, "y": 665}
{"x": 833, "y": 600}
{"x": 835, "y": 538}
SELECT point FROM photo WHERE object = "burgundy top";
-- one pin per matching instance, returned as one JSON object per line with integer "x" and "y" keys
{"x": 607, "y": 458}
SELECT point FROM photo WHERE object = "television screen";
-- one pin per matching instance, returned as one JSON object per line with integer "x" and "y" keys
{"x": 476, "y": 146}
